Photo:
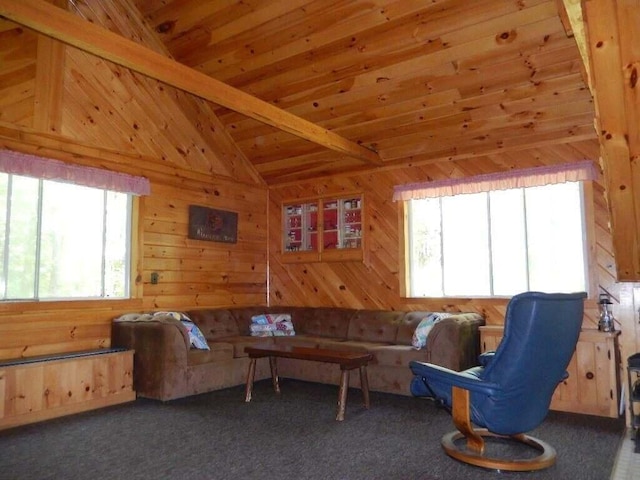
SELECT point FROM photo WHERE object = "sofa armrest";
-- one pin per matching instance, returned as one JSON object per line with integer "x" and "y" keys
{"x": 160, "y": 357}
{"x": 454, "y": 342}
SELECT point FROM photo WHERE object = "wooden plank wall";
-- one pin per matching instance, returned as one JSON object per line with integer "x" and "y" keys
{"x": 113, "y": 119}
{"x": 325, "y": 284}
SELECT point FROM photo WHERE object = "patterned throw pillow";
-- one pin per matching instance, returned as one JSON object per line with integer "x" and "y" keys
{"x": 421, "y": 333}
{"x": 195, "y": 335}
{"x": 272, "y": 325}
{"x": 196, "y": 338}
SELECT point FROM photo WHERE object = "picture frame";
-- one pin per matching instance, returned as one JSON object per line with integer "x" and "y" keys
{"x": 212, "y": 225}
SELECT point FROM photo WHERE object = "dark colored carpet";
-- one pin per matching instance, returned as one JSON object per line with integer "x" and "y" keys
{"x": 293, "y": 436}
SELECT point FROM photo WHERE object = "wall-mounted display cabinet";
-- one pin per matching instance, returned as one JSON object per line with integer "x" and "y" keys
{"x": 323, "y": 229}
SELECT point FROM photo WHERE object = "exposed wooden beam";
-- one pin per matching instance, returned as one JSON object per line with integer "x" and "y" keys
{"x": 571, "y": 15}
{"x": 613, "y": 38}
{"x": 66, "y": 27}
{"x": 47, "y": 114}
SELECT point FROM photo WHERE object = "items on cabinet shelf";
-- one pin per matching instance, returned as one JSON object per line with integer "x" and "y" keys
{"x": 323, "y": 229}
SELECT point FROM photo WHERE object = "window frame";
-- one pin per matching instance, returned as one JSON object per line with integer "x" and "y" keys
{"x": 132, "y": 285}
{"x": 589, "y": 238}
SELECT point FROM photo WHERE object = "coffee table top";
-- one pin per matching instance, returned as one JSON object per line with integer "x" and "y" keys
{"x": 349, "y": 358}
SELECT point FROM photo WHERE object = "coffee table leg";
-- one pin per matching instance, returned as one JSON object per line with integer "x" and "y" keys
{"x": 250, "y": 375}
{"x": 342, "y": 394}
{"x": 274, "y": 374}
{"x": 364, "y": 385}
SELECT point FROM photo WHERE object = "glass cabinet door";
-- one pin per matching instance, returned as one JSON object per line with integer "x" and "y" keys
{"x": 300, "y": 227}
{"x": 342, "y": 223}
{"x": 351, "y": 215}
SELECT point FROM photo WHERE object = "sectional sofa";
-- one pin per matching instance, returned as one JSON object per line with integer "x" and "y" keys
{"x": 166, "y": 366}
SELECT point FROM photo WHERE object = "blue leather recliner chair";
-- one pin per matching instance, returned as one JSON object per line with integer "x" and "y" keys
{"x": 510, "y": 392}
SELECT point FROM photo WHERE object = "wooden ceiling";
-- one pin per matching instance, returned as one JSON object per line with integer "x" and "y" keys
{"x": 311, "y": 88}
{"x": 415, "y": 81}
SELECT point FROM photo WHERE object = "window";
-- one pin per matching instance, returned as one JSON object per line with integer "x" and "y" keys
{"x": 62, "y": 241}
{"x": 498, "y": 243}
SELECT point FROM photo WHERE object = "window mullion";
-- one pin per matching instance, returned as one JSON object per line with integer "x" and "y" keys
{"x": 442, "y": 263}
{"x": 129, "y": 233}
{"x": 489, "y": 243}
{"x": 526, "y": 237}
{"x": 36, "y": 280}
{"x": 103, "y": 266}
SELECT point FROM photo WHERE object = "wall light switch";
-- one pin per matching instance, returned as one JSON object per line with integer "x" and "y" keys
{"x": 154, "y": 278}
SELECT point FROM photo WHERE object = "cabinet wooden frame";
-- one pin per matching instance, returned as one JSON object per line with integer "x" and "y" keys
{"x": 306, "y": 228}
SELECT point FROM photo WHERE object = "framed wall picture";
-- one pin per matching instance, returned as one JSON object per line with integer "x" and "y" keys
{"x": 212, "y": 225}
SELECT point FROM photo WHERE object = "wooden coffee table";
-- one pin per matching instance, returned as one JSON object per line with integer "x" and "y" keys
{"x": 348, "y": 360}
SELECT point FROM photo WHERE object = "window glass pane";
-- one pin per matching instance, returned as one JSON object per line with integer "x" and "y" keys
{"x": 425, "y": 254}
{"x": 555, "y": 238}
{"x": 508, "y": 242}
{"x": 71, "y": 248}
{"x": 116, "y": 249}
{"x": 23, "y": 234}
{"x": 465, "y": 234}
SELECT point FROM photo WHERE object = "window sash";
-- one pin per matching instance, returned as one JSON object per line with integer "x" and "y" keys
{"x": 57, "y": 264}
{"x": 489, "y": 246}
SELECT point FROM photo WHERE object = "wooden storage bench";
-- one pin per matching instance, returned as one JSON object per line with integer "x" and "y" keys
{"x": 40, "y": 388}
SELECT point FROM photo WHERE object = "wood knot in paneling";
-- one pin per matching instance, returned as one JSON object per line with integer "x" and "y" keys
{"x": 506, "y": 37}
{"x": 166, "y": 27}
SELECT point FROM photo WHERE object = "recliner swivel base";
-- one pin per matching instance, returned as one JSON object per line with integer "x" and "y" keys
{"x": 545, "y": 459}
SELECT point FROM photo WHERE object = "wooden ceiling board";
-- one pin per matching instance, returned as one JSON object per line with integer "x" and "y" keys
{"x": 390, "y": 101}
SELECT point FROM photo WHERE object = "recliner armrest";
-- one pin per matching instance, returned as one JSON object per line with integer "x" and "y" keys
{"x": 486, "y": 358}
{"x": 466, "y": 379}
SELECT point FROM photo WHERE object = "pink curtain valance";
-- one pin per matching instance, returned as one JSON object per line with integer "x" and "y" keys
{"x": 526, "y": 177}
{"x": 49, "y": 169}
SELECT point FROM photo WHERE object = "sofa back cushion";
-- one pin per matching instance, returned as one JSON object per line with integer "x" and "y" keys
{"x": 374, "y": 326}
{"x": 327, "y": 322}
{"x": 408, "y": 324}
{"x": 214, "y": 323}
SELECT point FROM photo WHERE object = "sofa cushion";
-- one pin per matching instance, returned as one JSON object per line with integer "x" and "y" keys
{"x": 214, "y": 323}
{"x": 374, "y": 326}
{"x": 308, "y": 341}
{"x": 327, "y": 322}
{"x": 352, "y": 346}
{"x": 397, "y": 355}
{"x": 239, "y": 342}
{"x": 408, "y": 324}
{"x": 217, "y": 352}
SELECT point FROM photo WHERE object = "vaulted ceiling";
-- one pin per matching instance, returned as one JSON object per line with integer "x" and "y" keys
{"x": 414, "y": 81}
{"x": 309, "y": 88}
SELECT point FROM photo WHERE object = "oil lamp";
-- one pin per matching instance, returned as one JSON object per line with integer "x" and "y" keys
{"x": 607, "y": 322}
